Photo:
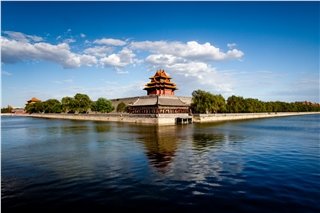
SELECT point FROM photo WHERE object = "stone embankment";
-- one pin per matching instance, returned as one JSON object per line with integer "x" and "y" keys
{"x": 205, "y": 118}
{"x": 164, "y": 119}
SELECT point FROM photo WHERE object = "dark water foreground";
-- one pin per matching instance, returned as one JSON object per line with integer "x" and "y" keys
{"x": 267, "y": 165}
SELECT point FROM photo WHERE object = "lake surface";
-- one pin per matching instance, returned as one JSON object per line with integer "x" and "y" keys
{"x": 266, "y": 165}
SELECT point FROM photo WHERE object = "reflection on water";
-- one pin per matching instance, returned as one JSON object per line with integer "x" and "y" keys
{"x": 202, "y": 141}
{"x": 161, "y": 143}
{"x": 235, "y": 167}
{"x": 100, "y": 127}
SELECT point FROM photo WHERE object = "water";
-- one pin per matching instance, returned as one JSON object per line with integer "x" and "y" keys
{"x": 266, "y": 165}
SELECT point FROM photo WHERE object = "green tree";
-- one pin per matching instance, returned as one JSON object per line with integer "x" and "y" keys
{"x": 253, "y": 105}
{"x": 121, "y": 107}
{"x": 235, "y": 104}
{"x": 7, "y": 109}
{"x": 82, "y": 103}
{"x": 52, "y": 106}
{"x": 94, "y": 106}
{"x": 103, "y": 105}
{"x": 205, "y": 102}
{"x": 68, "y": 104}
{"x": 37, "y": 107}
{"x": 219, "y": 103}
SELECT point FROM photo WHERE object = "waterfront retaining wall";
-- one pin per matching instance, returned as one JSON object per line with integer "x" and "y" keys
{"x": 165, "y": 119}
{"x": 205, "y": 118}
{"x": 162, "y": 119}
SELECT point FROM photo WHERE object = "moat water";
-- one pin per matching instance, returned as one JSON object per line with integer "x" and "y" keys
{"x": 265, "y": 165}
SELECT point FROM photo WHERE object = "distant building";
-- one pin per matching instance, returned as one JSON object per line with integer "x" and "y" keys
{"x": 160, "y": 97}
{"x": 33, "y": 100}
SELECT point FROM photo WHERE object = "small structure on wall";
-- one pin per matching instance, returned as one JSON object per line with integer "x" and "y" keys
{"x": 160, "y": 98}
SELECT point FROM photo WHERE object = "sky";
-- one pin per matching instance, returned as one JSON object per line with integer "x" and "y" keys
{"x": 263, "y": 50}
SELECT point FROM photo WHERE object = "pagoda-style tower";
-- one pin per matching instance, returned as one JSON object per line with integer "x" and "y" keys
{"x": 160, "y": 98}
{"x": 160, "y": 84}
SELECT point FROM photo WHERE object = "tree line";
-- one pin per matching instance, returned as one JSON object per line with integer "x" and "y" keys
{"x": 206, "y": 102}
{"x": 80, "y": 103}
{"x": 7, "y": 109}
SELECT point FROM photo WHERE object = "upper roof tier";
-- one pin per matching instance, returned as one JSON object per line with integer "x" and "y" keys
{"x": 160, "y": 80}
{"x": 161, "y": 74}
{"x": 33, "y": 100}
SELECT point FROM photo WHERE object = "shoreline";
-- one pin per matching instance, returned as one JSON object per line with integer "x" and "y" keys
{"x": 163, "y": 119}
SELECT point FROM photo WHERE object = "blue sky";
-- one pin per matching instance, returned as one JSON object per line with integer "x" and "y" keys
{"x": 264, "y": 50}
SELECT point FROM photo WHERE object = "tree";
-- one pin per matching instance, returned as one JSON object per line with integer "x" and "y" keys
{"x": 68, "y": 104}
{"x": 235, "y": 104}
{"x": 37, "y": 107}
{"x": 94, "y": 106}
{"x": 103, "y": 105}
{"x": 205, "y": 102}
{"x": 82, "y": 103}
{"x": 121, "y": 107}
{"x": 7, "y": 109}
{"x": 219, "y": 103}
{"x": 254, "y": 105}
{"x": 52, "y": 106}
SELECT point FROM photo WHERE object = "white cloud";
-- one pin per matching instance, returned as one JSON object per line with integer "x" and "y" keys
{"x": 191, "y": 61}
{"x": 184, "y": 58}
{"x": 191, "y": 50}
{"x": 121, "y": 59}
{"x": 99, "y": 51}
{"x": 199, "y": 73}
{"x": 14, "y": 51}
{"x": 110, "y": 41}
{"x": 22, "y": 37}
{"x": 88, "y": 60}
{"x": 163, "y": 59}
{"x": 234, "y": 53}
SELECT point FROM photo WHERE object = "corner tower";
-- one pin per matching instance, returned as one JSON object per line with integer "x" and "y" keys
{"x": 160, "y": 84}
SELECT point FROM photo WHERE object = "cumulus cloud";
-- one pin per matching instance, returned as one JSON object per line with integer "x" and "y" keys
{"x": 99, "y": 51}
{"x": 183, "y": 58}
{"x": 199, "y": 73}
{"x": 121, "y": 59}
{"x": 110, "y": 41}
{"x": 22, "y": 37}
{"x": 15, "y": 50}
{"x": 191, "y": 50}
{"x": 164, "y": 59}
{"x": 192, "y": 61}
